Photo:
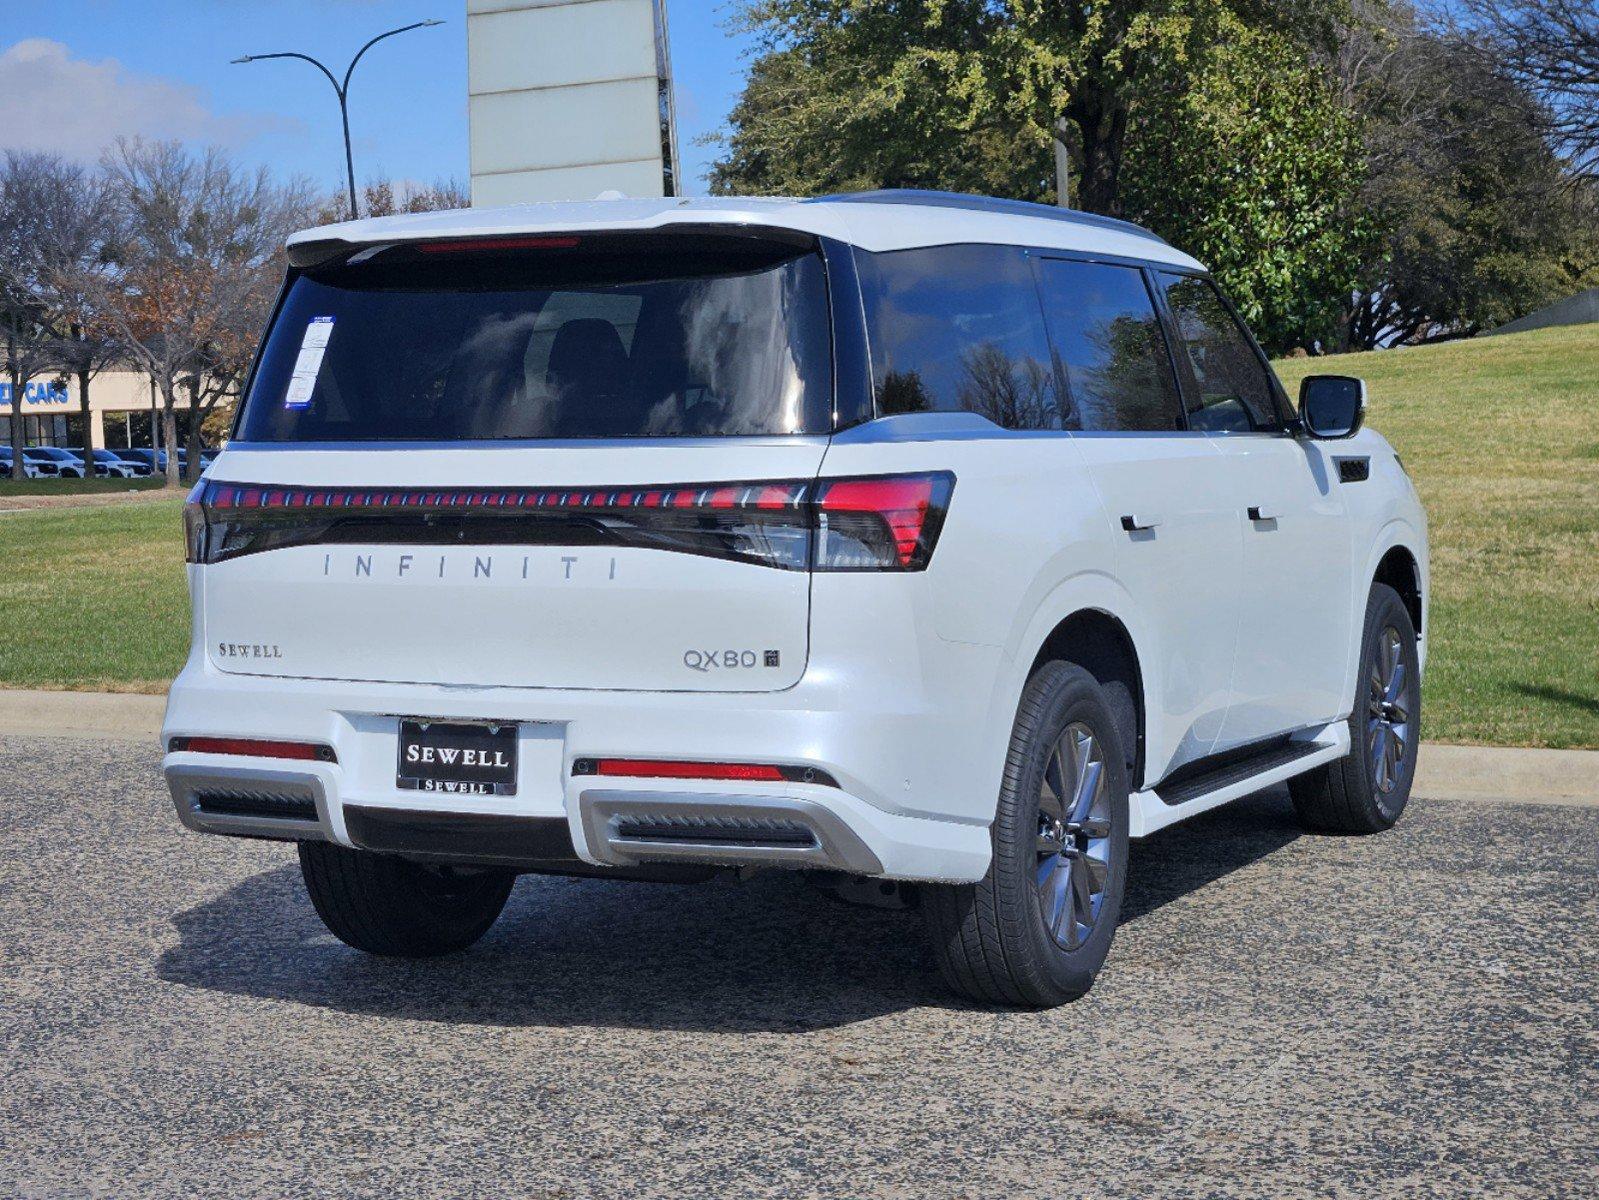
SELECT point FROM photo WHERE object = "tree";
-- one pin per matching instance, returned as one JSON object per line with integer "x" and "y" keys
{"x": 1550, "y": 48}
{"x": 1257, "y": 167}
{"x": 196, "y": 243}
{"x": 1477, "y": 218}
{"x": 386, "y": 197}
{"x": 72, "y": 234}
{"x": 28, "y": 343}
{"x": 1216, "y": 122}
{"x": 970, "y": 93}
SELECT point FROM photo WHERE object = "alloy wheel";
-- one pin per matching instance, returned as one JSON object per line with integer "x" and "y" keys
{"x": 1073, "y": 868}
{"x": 1388, "y": 713}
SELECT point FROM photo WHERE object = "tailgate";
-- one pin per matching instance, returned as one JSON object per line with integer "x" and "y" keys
{"x": 649, "y": 567}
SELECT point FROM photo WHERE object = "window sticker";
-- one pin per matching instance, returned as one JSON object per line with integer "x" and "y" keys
{"x": 309, "y": 363}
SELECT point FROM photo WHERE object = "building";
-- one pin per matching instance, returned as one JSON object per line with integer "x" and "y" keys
{"x": 122, "y": 408}
{"x": 568, "y": 99}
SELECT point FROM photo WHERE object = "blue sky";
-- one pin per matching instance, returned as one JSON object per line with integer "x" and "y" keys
{"x": 75, "y": 73}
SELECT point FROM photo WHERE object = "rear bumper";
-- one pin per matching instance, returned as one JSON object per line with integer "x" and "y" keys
{"x": 878, "y": 821}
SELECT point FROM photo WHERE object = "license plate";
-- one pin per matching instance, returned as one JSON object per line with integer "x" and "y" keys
{"x": 457, "y": 758}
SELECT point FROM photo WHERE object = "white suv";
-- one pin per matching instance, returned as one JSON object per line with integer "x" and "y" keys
{"x": 902, "y": 537}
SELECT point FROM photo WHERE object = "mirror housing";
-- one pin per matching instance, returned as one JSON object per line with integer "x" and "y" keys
{"x": 1332, "y": 407}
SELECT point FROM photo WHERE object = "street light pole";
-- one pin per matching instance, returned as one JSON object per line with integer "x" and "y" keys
{"x": 342, "y": 90}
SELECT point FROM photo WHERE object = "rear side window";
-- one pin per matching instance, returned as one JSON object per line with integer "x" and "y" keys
{"x": 1110, "y": 348}
{"x": 1232, "y": 389}
{"x": 958, "y": 328}
{"x": 563, "y": 343}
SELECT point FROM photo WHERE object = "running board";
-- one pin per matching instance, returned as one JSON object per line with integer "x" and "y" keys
{"x": 1155, "y": 808}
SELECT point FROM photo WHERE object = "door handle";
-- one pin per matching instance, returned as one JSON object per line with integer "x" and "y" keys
{"x": 1139, "y": 522}
{"x": 1263, "y": 512}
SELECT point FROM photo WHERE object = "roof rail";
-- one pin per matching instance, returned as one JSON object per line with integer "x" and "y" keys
{"x": 993, "y": 204}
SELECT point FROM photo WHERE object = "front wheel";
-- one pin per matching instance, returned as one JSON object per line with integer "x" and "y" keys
{"x": 1367, "y": 789}
{"x": 1035, "y": 930}
{"x": 386, "y": 905}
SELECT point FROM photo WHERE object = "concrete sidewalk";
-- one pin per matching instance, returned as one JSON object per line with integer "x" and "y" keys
{"x": 1488, "y": 773}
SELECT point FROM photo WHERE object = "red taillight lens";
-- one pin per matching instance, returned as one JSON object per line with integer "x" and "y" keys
{"x": 254, "y": 747}
{"x": 882, "y": 524}
{"x": 675, "y": 768}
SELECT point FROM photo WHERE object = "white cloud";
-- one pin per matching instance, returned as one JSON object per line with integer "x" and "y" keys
{"x": 50, "y": 100}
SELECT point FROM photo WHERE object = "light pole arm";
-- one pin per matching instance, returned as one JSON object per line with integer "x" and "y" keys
{"x": 333, "y": 79}
{"x": 342, "y": 90}
{"x": 402, "y": 29}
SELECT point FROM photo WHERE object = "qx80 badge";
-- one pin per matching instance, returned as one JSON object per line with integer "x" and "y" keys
{"x": 705, "y": 661}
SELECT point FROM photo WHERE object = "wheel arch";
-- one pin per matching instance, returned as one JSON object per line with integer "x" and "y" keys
{"x": 1399, "y": 569}
{"x": 1101, "y": 644}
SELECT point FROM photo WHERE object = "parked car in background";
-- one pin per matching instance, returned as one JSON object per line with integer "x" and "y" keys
{"x": 51, "y": 462}
{"x": 131, "y": 457}
{"x": 107, "y": 465}
{"x": 31, "y": 468}
{"x": 901, "y": 538}
{"x": 153, "y": 461}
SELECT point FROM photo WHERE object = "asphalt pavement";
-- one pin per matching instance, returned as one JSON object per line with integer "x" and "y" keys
{"x": 1413, "y": 1014}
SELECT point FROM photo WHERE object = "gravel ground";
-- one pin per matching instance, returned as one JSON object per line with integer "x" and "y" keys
{"x": 1415, "y": 1014}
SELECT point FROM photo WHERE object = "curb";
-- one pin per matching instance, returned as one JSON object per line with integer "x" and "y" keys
{"x": 1491, "y": 774}
{"x": 100, "y": 715}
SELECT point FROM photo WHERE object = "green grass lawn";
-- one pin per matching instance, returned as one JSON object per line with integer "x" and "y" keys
{"x": 94, "y": 598}
{"x": 1501, "y": 435}
{"x": 73, "y": 487}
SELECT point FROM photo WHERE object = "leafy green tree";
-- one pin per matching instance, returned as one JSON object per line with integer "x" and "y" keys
{"x": 971, "y": 93}
{"x": 1209, "y": 120}
{"x": 1480, "y": 220}
{"x": 1257, "y": 168}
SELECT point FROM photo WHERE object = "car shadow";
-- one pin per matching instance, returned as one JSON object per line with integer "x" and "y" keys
{"x": 772, "y": 954}
{"x": 1181, "y": 859}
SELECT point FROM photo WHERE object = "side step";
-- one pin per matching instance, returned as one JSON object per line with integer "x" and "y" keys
{"x": 1156, "y": 808}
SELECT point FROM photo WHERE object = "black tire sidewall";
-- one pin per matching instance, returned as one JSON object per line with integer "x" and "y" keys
{"x": 1384, "y": 609}
{"x": 1070, "y": 694}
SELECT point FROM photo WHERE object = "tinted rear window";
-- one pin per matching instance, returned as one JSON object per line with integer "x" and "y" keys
{"x": 600, "y": 340}
{"x": 957, "y": 328}
{"x": 1110, "y": 348}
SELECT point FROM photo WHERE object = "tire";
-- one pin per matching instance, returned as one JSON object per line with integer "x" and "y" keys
{"x": 994, "y": 940}
{"x": 386, "y": 905}
{"x": 1367, "y": 789}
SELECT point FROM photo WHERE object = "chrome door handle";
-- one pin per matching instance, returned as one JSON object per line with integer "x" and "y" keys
{"x": 1263, "y": 512}
{"x": 1139, "y": 522}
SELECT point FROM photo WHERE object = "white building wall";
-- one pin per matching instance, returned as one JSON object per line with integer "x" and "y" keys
{"x": 563, "y": 99}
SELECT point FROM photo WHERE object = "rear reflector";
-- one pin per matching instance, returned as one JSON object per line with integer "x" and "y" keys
{"x": 253, "y": 747}
{"x": 671, "y": 768}
{"x": 886, "y": 523}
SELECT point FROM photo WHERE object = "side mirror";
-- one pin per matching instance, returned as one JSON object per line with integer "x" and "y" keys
{"x": 1332, "y": 406}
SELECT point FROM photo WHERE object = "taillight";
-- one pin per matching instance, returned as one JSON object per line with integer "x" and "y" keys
{"x": 884, "y": 523}
{"x": 889, "y": 523}
{"x": 194, "y": 511}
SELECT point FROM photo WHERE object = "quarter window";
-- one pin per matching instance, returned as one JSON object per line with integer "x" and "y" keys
{"x": 1109, "y": 346}
{"x": 958, "y": 328}
{"x": 1233, "y": 391}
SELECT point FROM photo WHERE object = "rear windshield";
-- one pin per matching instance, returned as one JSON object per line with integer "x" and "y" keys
{"x": 566, "y": 338}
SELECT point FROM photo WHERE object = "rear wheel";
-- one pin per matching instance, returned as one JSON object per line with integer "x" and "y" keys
{"x": 1367, "y": 789}
{"x": 386, "y": 905}
{"x": 1035, "y": 930}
